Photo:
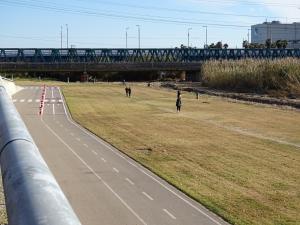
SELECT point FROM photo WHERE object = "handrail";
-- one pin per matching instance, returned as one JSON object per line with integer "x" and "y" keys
{"x": 32, "y": 194}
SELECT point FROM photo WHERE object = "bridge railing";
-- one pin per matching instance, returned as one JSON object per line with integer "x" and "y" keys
{"x": 138, "y": 55}
{"x": 32, "y": 195}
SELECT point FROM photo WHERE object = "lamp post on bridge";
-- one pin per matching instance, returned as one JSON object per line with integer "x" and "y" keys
{"x": 139, "y": 35}
{"x": 189, "y": 37}
{"x": 67, "y": 35}
{"x": 127, "y": 28}
{"x": 61, "y": 35}
{"x": 205, "y": 36}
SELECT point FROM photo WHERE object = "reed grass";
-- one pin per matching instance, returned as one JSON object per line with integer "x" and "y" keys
{"x": 255, "y": 75}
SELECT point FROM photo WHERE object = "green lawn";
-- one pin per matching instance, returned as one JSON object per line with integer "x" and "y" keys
{"x": 228, "y": 156}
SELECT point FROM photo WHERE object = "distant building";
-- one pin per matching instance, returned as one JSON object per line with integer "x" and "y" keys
{"x": 276, "y": 31}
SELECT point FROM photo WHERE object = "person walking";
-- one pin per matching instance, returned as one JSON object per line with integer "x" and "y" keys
{"x": 178, "y": 103}
{"x": 129, "y": 92}
{"x": 126, "y": 90}
{"x": 178, "y": 94}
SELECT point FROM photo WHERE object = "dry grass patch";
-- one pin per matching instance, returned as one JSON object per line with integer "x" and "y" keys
{"x": 227, "y": 156}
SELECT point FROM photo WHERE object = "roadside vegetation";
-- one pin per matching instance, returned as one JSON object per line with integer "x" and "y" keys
{"x": 279, "y": 77}
{"x": 240, "y": 161}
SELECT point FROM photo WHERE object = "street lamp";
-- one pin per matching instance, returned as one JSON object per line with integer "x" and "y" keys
{"x": 248, "y": 35}
{"x": 189, "y": 36}
{"x": 67, "y": 35}
{"x": 127, "y": 28}
{"x": 61, "y": 34}
{"x": 139, "y": 34}
{"x": 205, "y": 36}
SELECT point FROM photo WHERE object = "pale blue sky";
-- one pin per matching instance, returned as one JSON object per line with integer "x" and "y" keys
{"x": 164, "y": 23}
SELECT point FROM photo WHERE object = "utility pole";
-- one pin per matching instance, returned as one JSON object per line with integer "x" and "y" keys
{"x": 205, "y": 36}
{"x": 127, "y": 28}
{"x": 61, "y": 35}
{"x": 189, "y": 37}
{"x": 67, "y": 35}
{"x": 139, "y": 35}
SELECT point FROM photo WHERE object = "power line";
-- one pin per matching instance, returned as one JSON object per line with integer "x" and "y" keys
{"x": 112, "y": 15}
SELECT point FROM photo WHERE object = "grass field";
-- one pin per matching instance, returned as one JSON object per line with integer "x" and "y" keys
{"x": 241, "y": 161}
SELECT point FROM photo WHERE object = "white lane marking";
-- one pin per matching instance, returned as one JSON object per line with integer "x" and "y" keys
{"x": 134, "y": 165}
{"x": 60, "y": 100}
{"x": 116, "y": 170}
{"x": 46, "y": 100}
{"x": 94, "y": 152}
{"x": 53, "y": 109}
{"x": 52, "y": 93}
{"x": 103, "y": 160}
{"x": 148, "y": 196}
{"x": 15, "y": 100}
{"x": 37, "y": 100}
{"x": 22, "y": 100}
{"x": 85, "y": 145}
{"x": 129, "y": 181}
{"x": 78, "y": 139}
{"x": 96, "y": 174}
{"x": 53, "y": 100}
{"x": 170, "y": 214}
{"x": 29, "y": 100}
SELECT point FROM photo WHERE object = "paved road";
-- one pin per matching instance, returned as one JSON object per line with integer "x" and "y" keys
{"x": 103, "y": 185}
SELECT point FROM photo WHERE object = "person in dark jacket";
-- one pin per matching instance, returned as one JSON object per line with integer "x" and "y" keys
{"x": 129, "y": 92}
{"x": 126, "y": 90}
{"x": 178, "y": 104}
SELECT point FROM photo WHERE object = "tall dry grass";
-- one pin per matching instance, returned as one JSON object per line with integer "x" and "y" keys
{"x": 258, "y": 75}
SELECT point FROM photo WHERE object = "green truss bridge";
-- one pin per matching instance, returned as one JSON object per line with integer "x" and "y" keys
{"x": 178, "y": 59}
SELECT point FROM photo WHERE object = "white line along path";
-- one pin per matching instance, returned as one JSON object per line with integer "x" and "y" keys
{"x": 129, "y": 181}
{"x": 116, "y": 170}
{"x": 148, "y": 196}
{"x": 170, "y": 214}
{"x": 96, "y": 174}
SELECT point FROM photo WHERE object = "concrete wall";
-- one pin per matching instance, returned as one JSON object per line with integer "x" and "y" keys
{"x": 9, "y": 86}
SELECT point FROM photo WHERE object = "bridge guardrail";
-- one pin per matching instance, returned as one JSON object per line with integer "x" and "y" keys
{"x": 32, "y": 194}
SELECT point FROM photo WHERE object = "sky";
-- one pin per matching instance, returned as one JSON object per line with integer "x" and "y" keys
{"x": 163, "y": 23}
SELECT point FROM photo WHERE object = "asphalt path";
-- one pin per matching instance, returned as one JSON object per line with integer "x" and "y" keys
{"x": 104, "y": 186}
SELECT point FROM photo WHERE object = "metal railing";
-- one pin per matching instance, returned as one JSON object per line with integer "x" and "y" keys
{"x": 32, "y": 194}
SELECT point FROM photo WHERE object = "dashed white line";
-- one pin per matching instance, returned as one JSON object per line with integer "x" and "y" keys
{"x": 22, "y": 100}
{"x": 15, "y": 100}
{"x": 103, "y": 159}
{"x": 94, "y": 152}
{"x": 97, "y": 175}
{"x": 37, "y": 100}
{"x": 170, "y": 214}
{"x": 148, "y": 196}
{"x": 116, "y": 170}
{"x": 53, "y": 109}
{"x": 85, "y": 145}
{"x": 78, "y": 139}
{"x": 29, "y": 100}
{"x": 129, "y": 181}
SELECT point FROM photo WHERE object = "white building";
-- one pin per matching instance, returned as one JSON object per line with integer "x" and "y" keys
{"x": 276, "y": 31}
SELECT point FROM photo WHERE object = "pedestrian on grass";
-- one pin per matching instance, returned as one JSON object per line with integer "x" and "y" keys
{"x": 178, "y": 103}
{"x": 126, "y": 90}
{"x": 197, "y": 95}
{"x": 178, "y": 94}
{"x": 129, "y": 92}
